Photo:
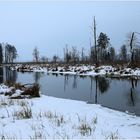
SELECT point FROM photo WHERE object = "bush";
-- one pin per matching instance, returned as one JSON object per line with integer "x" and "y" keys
{"x": 18, "y": 86}
{"x": 32, "y": 91}
{"x": 9, "y": 83}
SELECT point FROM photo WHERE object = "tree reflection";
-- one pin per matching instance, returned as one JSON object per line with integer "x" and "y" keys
{"x": 91, "y": 86}
{"x": 1, "y": 74}
{"x": 74, "y": 85}
{"x": 132, "y": 97}
{"x": 103, "y": 84}
{"x": 55, "y": 74}
{"x": 66, "y": 81}
{"x": 132, "y": 94}
{"x": 37, "y": 76}
{"x": 96, "y": 89}
{"x": 10, "y": 75}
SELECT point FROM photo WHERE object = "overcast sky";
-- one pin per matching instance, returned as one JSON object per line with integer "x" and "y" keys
{"x": 51, "y": 25}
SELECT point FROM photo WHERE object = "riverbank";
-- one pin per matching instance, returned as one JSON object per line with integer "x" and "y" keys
{"x": 85, "y": 70}
{"x": 53, "y": 118}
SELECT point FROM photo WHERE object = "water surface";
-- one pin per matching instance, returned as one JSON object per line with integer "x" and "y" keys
{"x": 118, "y": 94}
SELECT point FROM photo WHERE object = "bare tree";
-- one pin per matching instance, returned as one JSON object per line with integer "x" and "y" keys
{"x": 36, "y": 54}
{"x": 133, "y": 43}
{"x": 1, "y": 54}
{"x": 93, "y": 28}
{"x": 137, "y": 54}
{"x": 67, "y": 54}
{"x": 132, "y": 47}
{"x": 95, "y": 41}
{"x": 75, "y": 55}
{"x": 55, "y": 58}
{"x": 92, "y": 53}
{"x": 123, "y": 53}
{"x": 82, "y": 55}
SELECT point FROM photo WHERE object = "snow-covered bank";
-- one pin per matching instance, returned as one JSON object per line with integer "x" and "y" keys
{"x": 81, "y": 70}
{"x": 53, "y": 118}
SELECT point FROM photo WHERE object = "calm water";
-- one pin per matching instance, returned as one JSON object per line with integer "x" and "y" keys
{"x": 113, "y": 93}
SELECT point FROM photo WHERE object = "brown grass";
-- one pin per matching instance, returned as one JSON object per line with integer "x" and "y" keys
{"x": 32, "y": 91}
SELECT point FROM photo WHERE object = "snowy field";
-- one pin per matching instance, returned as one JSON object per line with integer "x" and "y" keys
{"x": 52, "y": 118}
{"x": 81, "y": 70}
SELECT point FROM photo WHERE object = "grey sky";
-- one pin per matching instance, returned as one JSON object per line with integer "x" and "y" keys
{"x": 51, "y": 25}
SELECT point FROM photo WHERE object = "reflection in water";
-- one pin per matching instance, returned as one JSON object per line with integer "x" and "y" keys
{"x": 10, "y": 75}
{"x": 96, "y": 89}
{"x": 103, "y": 84}
{"x": 91, "y": 99}
{"x": 74, "y": 85}
{"x": 37, "y": 76}
{"x": 66, "y": 81}
{"x": 82, "y": 76}
{"x": 132, "y": 94}
{"x": 132, "y": 98}
{"x": 7, "y": 75}
{"x": 87, "y": 88}
{"x": 55, "y": 74}
{"x": 1, "y": 74}
{"x": 91, "y": 85}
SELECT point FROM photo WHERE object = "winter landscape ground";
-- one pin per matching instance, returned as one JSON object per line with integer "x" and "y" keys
{"x": 47, "y": 117}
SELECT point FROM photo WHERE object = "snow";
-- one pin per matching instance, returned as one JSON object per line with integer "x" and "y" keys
{"x": 54, "y": 118}
{"x": 4, "y": 89}
{"x": 17, "y": 93}
{"x": 82, "y": 70}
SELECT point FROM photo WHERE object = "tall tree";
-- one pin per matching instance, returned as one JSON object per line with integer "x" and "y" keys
{"x": 10, "y": 53}
{"x": 133, "y": 44}
{"x": 95, "y": 42}
{"x": 132, "y": 47}
{"x": 93, "y": 28}
{"x": 112, "y": 53}
{"x": 103, "y": 43}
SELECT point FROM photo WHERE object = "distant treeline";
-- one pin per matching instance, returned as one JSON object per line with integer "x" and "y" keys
{"x": 101, "y": 51}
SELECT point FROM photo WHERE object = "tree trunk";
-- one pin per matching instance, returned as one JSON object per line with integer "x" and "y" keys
{"x": 95, "y": 44}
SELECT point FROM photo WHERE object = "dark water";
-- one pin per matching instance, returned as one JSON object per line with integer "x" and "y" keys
{"x": 117, "y": 94}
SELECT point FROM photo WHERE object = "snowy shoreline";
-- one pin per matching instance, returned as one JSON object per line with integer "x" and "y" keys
{"x": 52, "y": 118}
{"x": 110, "y": 71}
